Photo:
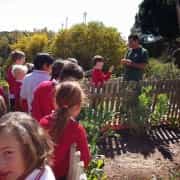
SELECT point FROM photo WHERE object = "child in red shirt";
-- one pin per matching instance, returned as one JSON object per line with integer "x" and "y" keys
{"x": 18, "y": 72}
{"x": 61, "y": 71}
{"x": 64, "y": 129}
{"x": 98, "y": 76}
{"x": 17, "y": 57}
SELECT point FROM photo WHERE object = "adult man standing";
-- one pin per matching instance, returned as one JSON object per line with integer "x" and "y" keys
{"x": 135, "y": 60}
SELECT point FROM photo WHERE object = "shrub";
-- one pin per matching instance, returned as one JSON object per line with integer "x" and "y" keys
{"x": 158, "y": 70}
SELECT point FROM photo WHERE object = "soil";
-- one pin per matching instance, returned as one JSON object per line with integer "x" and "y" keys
{"x": 153, "y": 156}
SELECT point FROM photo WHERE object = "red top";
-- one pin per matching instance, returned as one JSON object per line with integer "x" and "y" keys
{"x": 99, "y": 77}
{"x": 24, "y": 105}
{"x": 72, "y": 133}
{"x": 43, "y": 100}
{"x": 17, "y": 88}
{"x": 11, "y": 80}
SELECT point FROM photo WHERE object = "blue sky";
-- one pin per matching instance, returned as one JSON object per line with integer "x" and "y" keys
{"x": 30, "y": 14}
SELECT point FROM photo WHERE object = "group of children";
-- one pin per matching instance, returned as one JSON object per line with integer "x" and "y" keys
{"x": 30, "y": 145}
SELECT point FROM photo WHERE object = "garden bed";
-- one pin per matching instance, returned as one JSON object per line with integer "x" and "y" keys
{"x": 155, "y": 155}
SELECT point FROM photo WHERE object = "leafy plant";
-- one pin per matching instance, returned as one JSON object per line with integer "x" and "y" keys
{"x": 140, "y": 114}
{"x": 160, "y": 108}
{"x": 93, "y": 120}
{"x": 95, "y": 171}
{"x": 159, "y": 70}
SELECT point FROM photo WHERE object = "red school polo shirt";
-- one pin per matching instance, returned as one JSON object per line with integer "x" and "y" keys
{"x": 99, "y": 77}
{"x": 43, "y": 99}
{"x": 11, "y": 80}
{"x": 72, "y": 133}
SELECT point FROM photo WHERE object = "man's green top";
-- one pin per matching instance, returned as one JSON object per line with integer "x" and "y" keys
{"x": 139, "y": 55}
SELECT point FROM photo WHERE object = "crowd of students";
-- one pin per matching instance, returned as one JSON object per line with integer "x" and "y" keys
{"x": 45, "y": 98}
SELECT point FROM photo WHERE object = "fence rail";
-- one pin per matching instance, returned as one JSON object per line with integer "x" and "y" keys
{"x": 76, "y": 166}
{"x": 116, "y": 94}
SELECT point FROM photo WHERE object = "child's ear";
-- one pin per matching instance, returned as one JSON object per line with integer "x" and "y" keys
{"x": 46, "y": 67}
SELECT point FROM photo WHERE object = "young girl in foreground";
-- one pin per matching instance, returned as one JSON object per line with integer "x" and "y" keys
{"x": 25, "y": 149}
{"x": 64, "y": 129}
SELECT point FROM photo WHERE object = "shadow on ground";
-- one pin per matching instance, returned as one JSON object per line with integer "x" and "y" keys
{"x": 157, "y": 138}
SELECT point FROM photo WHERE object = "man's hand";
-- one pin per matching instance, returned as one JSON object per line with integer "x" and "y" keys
{"x": 126, "y": 62}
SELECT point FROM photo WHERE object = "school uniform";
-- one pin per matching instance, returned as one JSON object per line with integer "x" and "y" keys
{"x": 41, "y": 174}
{"x": 11, "y": 82}
{"x": 30, "y": 83}
{"x": 99, "y": 77}
{"x": 72, "y": 133}
{"x": 17, "y": 88}
{"x": 43, "y": 100}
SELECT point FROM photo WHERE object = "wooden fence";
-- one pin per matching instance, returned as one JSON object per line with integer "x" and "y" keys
{"x": 76, "y": 167}
{"x": 116, "y": 94}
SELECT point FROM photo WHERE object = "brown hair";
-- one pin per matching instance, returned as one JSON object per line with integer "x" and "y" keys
{"x": 37, "y": 148}
{"x": 71, "y": 71}
{"x": 97, "y": 58}
{"x": 68, "y": 94}
{"x": 57, "y": 68}
{"x": 134, "y": 37}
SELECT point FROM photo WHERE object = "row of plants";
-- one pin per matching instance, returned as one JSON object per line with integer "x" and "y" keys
{"x": 92, "y": 120}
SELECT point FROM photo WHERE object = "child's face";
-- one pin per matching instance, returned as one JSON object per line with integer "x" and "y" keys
{"x": 99, "y": 65}
{"x": 20, "y": 61}
{"x": 76, "y": 110}
{"x": 12, "y": 164}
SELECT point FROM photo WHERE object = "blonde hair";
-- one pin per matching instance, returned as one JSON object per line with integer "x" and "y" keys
{"x": 17, "y": 68}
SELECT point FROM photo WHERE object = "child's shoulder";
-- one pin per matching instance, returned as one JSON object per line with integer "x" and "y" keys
{"x": 46, "y": 84}
{"x": 41, "y": 174}
{"x": 48, "y": 174}
{"x": 46, "y": 121}
{"x": 76, "y": 125}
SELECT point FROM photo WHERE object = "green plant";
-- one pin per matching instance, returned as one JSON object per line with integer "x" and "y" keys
{"x": 160, "y": 109}
{"x": 95, "y": 170}
{"x": 159, "y": 70}
{"x": 140, "y": 115}
{"x": 93, "y": 120}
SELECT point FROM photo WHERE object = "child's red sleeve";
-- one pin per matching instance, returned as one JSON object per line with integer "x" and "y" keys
{"x": 24, "y": 105}
{"x": 82, "y": 146}
{"x": 98, "y": 77}
{"x": 107, "y": 76}
{"x": 36, "y": 112}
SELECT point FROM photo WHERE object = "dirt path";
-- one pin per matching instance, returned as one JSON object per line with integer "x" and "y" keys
{"x": 155, "y": 156}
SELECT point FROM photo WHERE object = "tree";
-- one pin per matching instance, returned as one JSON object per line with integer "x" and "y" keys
{"x": 4, "y": 47}
{"x": 84, "y": 41}
{"x": 159, "y": 17}
{"x": 32, "y": 44}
